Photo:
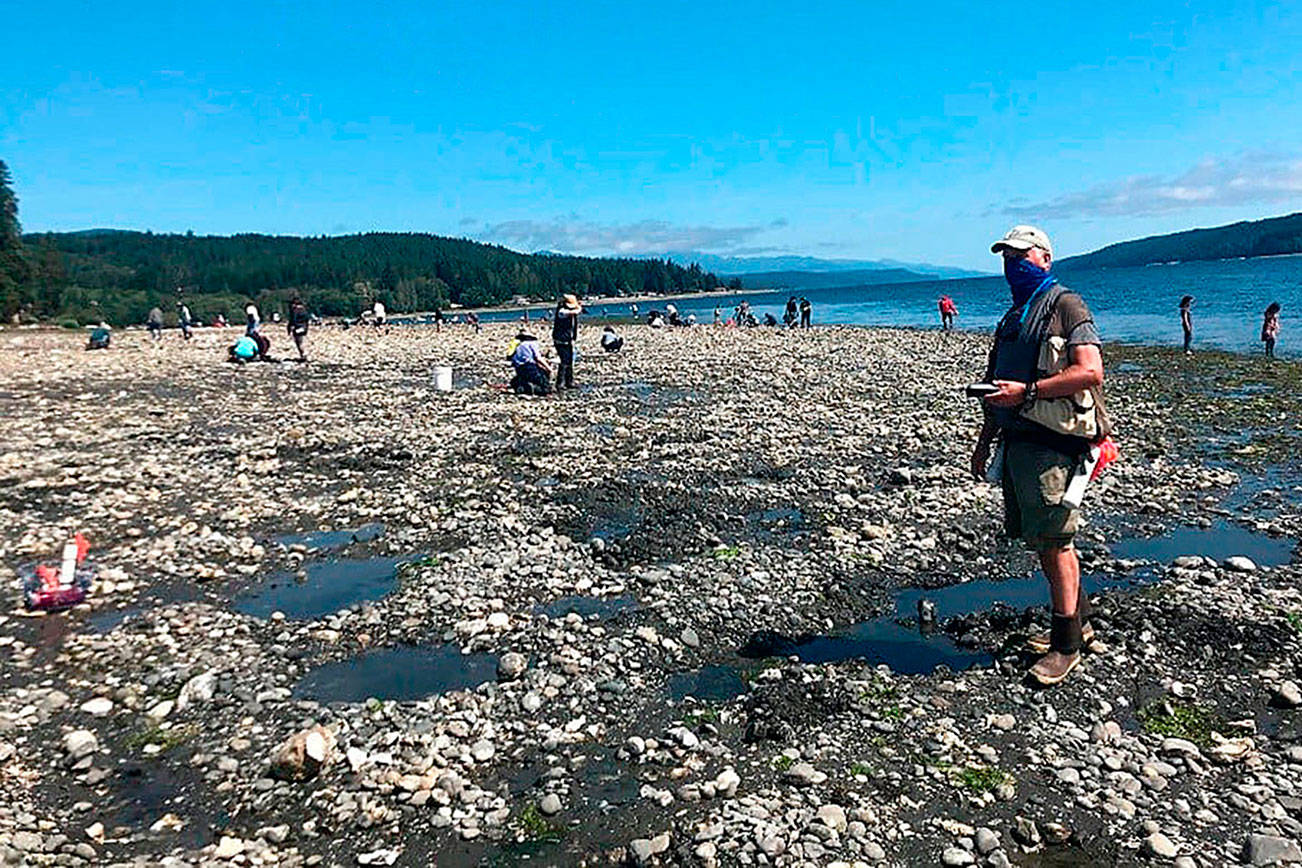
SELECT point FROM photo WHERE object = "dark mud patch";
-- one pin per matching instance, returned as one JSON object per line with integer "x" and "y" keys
{"x": 402, "y": 673}
{"x": 645, "y": 518}
{"x": 777, "y": 710}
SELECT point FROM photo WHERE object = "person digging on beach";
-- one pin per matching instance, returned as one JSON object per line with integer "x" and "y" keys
{"x": 249, "y": 348}
{"x": 100, "y": 337}
{"x": 806, "y": 313}
{"x": 297, "y": 324}
{"x": 1186, "y": 323}
{"x": 1270, "y": 328}
{"x": 532, "y": 373}
{"x": 565, "y": 331}
{"x": 611, "y": 342}
{"x": 1047, "y": 413}
{"x": 154, "y": 322}
{"x": 790, "y": 314}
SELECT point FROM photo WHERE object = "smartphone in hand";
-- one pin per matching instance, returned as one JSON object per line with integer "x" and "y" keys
{"x": 980, "y": 390}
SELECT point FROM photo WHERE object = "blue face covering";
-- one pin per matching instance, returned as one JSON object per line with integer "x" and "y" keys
{"x": 1025, "y": 278}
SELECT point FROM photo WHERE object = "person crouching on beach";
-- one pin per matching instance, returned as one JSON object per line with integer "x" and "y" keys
{"x": 565, "y": 331}
{"x": 532, "y": 373}
{"x": 1270, "y": 328}
{"x": 1047, "y": 413}
{"x": 1186, "y": 323}
{"x": 611, "y": 342}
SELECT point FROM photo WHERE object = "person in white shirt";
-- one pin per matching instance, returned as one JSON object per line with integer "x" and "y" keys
{"x": 611, "y": 342}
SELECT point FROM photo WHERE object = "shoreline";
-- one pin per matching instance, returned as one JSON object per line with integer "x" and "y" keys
{"x": 1284, "y": 355}
{"x": 652, "y": 547}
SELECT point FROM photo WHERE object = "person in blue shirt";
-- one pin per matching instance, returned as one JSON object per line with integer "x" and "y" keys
{"x": 532, "y": 373}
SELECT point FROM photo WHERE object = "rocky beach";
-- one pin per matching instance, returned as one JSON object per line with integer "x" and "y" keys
{"x": 681, "y": 615}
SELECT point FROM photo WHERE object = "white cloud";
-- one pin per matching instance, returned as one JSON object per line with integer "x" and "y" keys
{"x": 1242, "y": 179}
{"x": 573, "y": 235}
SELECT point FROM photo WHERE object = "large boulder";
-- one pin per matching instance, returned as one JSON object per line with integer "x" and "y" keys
{"x": 304, "y": 754}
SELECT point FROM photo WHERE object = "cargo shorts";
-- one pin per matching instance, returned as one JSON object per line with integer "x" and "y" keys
{"x": 1034, "y": 480}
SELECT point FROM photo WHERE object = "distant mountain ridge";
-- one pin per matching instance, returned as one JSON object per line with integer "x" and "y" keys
{"x": 742, "y": 266}
{"x": 1269, "y": 237}
{"x": 798, "y": 280}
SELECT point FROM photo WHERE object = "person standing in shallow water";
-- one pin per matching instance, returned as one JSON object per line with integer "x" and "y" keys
{"x": 1046, "y": 347}
{"x": 1270, "y": 328}
{"x": 948, "y": 310}
{"x": 1186, "y": 323}
{"x": 565, "y": 331}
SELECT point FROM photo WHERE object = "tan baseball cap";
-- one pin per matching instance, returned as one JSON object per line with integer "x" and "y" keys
{"x": 1023, "y": 238}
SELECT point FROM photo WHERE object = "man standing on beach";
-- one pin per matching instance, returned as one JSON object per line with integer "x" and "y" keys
{"x": 565, "y": 331}
{"x": 806, "y": 313}
{"x": 1046, "y": 347}
{"x": 154, "y": 322}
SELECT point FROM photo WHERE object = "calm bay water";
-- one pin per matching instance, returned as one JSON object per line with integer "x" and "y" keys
{"x": 1132, "y": 305}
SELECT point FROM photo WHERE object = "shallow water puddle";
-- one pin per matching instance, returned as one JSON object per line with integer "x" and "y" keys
{"x": 108, "y": 620}
{"x": 329, "y": 587}
{"x": 773, "y": 522}
{"x": 603, "y": 608}
{"x": 979, "y": 596}
{"x": 898, "y": 641}
{"x": 1220, "y": 541}
{"x": 903, "y": 648}
{"x": 708, "y": 684}
{"x": 407, "y": 672}
{"x": 333, "y": 539}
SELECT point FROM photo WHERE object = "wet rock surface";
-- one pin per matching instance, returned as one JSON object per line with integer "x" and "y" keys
{"x": 588, "y": 644}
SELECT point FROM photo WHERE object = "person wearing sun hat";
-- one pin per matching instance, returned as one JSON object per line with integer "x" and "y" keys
{"x": 532, "y": 373}
{"x": 565, "y": 331}
{"x": 1048, "y": 414}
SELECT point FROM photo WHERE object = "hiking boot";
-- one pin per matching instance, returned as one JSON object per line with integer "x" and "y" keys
{"x": 1054, "y": 667}
{"x": 1040, "y": 643}
{"x": 1064, "y": 654}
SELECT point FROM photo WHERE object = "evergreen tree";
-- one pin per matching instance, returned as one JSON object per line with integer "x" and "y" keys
{"x": 13, "y": 262}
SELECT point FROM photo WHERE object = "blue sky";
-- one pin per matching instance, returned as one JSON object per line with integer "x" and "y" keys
{"x": 915, "y": 131}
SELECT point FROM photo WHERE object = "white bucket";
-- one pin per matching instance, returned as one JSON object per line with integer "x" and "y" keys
{"x": 443, "y": 379}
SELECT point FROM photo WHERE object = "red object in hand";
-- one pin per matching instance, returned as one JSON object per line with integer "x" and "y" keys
{"x": 1108, "y": 452}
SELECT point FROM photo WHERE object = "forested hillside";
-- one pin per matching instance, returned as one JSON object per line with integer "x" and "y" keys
{"x": 119, "y": 275}
{"x": 1268, "y": 237}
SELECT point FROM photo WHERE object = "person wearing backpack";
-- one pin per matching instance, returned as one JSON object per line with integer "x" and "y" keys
{"x": 1048, "y": 413}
